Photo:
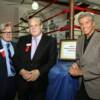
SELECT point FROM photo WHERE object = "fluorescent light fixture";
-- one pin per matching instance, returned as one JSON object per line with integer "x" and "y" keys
{"x": 35, "y": 5}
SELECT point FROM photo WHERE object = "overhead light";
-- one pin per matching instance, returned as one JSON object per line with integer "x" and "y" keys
{"x": 35, "y": 5}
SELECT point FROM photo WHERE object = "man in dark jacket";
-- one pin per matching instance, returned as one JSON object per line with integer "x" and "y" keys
{"x": 7, "y": 71}
{"x": 35, "y": 55}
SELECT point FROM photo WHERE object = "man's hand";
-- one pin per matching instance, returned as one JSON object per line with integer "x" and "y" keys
{"x": 75, "y": 70}
{"x": 34, "y": 75}
{"x": 25, "y": 74}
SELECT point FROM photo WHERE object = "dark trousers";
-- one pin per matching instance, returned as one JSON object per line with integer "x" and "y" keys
{"x": 8, "y": 89}
{"x": 30, "y": 94}
{"x": 82, "y": 95}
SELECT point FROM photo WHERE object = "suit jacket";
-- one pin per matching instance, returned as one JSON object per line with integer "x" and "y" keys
{"x": 89, "y": 61}
{"x": 44, "y": 58}
{"x": 3, "y": 67}
{"x": 3, "y": 70}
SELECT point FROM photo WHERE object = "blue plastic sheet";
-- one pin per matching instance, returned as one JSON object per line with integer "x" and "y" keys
{"x": 61, "y": 86}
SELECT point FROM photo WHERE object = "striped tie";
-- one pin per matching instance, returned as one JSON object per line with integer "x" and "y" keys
{"x": 10, "y": 58}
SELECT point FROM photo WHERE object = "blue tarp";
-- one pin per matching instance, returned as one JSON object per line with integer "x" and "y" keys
{"x": 61, "y": 86}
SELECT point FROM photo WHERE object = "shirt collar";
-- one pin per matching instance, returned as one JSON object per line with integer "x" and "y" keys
{"x": 37, "y": 37}
{"x": 4, "y": 42}
{"x": 89, "y": 37}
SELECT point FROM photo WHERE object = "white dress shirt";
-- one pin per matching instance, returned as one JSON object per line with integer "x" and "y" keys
{"x": 35, "y": 42}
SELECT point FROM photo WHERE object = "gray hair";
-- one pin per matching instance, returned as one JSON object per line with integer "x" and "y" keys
{"x": 39, "y": 19}
{"x": 86, "y": 14}
{"x": 3, "y": 25}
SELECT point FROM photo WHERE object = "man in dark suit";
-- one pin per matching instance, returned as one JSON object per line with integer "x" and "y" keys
{"x": 35, "y": 55}
{"x": 7, "y": 72}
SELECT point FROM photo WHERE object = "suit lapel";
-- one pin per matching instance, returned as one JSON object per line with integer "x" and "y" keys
{"x": 28, "y": 52}
{"x": 83, "y": 45}
{"x": 2, "y": 54}
{"x": 2, "y": 51}
{"x": 91, "y": 44}
{"x": 1, "y": 47}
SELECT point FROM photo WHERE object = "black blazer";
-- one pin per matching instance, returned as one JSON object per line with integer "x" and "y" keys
{"x": 44, "y": 58}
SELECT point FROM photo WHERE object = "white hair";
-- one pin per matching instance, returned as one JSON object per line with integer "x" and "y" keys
{"x": 86, "y": 14}
{"x": 3, "y": 25}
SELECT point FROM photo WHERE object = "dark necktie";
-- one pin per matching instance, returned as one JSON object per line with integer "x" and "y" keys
{"x": 10, "y": 58}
